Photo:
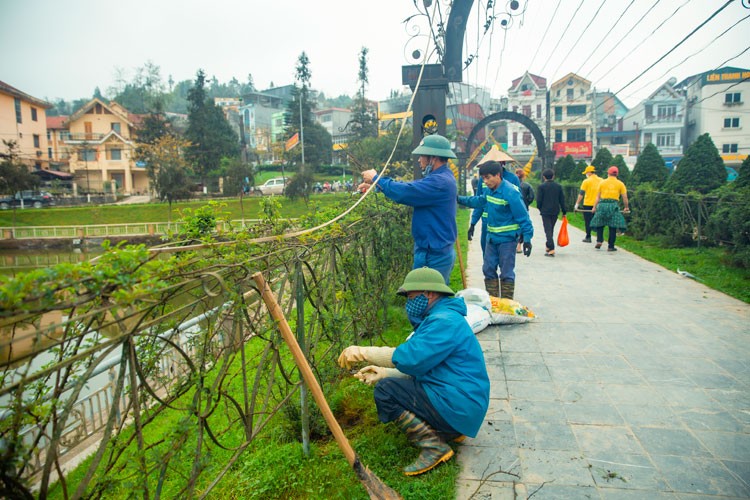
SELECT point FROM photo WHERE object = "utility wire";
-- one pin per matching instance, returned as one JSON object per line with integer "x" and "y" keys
{"x": 561, "y": 36}
{"x": 580, "y": 37}
{"x": 701, "y": 25}
{"x": 599, "y": 45}
{"x": 541, "y": 42}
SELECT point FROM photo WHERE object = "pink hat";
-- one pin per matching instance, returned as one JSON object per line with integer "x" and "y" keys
{"x": 613, "y": 170}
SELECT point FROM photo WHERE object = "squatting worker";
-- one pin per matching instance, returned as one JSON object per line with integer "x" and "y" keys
{"x": 607, "y": 209}
{"x": 434, "y": 386}
{"x": 587, "y": 194}
{"x": 433, "y": 225}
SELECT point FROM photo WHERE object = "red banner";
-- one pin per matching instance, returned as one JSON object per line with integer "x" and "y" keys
{"x": 574, "y": 149}
{"x": 291, "y": 142}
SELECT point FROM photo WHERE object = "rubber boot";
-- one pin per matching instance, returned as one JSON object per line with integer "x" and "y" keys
{"x": 434, "y": 449}
{"x": 506, "y": 289}
{"x": 492, "y": 287}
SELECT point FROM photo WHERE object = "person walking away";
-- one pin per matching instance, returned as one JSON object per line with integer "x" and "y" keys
{"x": 550, "y": 201}
{"x": 433, "y": 224}
{"x": 506, "y": 217}
{"x": 435, "y": 385}
{"x": 479, "y": 213}
{"x": 587, "y": 194}
{"x": 607, "y": 209}
{"x": 527, "y": 195}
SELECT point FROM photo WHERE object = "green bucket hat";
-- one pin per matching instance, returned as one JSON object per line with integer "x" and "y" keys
{"x": 424, "y": 280}
{"x": 434, "y": 145}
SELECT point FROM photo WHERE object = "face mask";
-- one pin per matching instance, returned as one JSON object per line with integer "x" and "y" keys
{"x": 415, "y": 309}
{"x": 428, "y": 168}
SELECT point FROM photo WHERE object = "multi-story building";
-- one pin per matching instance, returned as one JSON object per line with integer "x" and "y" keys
{"x": 659, "y": 120}
{"x": 100, "y": 144}
{"x": 335, "y": 121}
{"x": 23, "y": 119}
{"x": 609, "y": 112}
{"x": 716, "y": 105}
{"x": 527, "y": 96}
{"x": 571, "y": 123}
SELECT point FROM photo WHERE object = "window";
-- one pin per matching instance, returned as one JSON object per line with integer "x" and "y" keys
{"x": 114, "y": 154}
{"x": 515, "y": 109}
{"x": 18, "y": 110}
{"x": 664, "y": 140}
{"x": 526, "y": 138}
{"x": 733, "y": 98}
{"x": 570, "y": 94}
{"x": 731, "y": 123}
{"x": 36, "y": 140}
{"x": 558, "y": 93}
{"x": 116, "y": 127}
{"x": 49, "y": 153}
{"x": 666, "y": 111}
{"x": 558, "y": 113}
{"x": 576, "y": 135}
{"x": 326, "y": 118}
{"x": 527, "y": 110}
{"x": 729, "y": 148}
{"x": 515, "y": 138}
{"x": 49, "y": 136}
{"x": 558, "y": 136}
{"x": 87, "y": 155}
{"x": 577, "y": 110}
{"x": 33, "y": 114}
{"x": 538, "y": 110}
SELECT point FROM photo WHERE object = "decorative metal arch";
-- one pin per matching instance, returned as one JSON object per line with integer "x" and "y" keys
{"x": 516, "y": 117}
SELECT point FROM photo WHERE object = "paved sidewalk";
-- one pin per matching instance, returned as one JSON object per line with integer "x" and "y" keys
{"x": 632, "y": 383}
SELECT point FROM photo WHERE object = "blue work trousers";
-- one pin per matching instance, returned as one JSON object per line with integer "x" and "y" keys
{"x": 502, "y": 255}
{"x": 440, "y": 260}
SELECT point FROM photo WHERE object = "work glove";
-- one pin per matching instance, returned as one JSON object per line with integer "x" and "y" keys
{"x": 380, "y": 356}
{"x": 575, "y": 207}
{"x": 527, "y": 248}
{"x": 471, "y": 231}
{"x": 370, "y": 375}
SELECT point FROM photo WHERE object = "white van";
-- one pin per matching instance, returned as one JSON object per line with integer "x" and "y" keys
{"x": 272, "y": 186}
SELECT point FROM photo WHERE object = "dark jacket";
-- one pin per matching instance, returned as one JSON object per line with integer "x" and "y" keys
{"x": 550, "y": 199}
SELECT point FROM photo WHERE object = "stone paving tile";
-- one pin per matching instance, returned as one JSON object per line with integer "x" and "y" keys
{"x": 741, "y": 470}
{"x": 545, "y": 436}
{"x": 537, "y": 411}
{"x": 647, "y": 416}
{"x": 538, "y": 373}
{"x": 700, "y": 475}
{"x": 629, "y": 376}
{"x": 593, "y": 414}
{"x": 499, "y": 409}
{"x": 725, "y": 445}
{"x": 582, "y": 392}
{"x": 623, "y": 471}
{"x": 480, "y": 463}
{"x": 470, "y": 489}
{"x": 532, "y": 391}
{"x": 560, "y": 467}
{"x": 613, "y": 494}
{"x": 523, "y": 358}
{"x": 634, "y": 394}
{"x": 666, "y": 378}
{"x": 680, "y": 442}
{"x": 606, "y": 439}
{"x": 494, "y": 434}
{"x": 552, "y": 491}
{"x": 715, "y": 419}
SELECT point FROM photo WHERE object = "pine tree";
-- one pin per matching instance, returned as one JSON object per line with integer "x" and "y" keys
{"x": 363, "y": 122}
{"x": 701, "y": 169}
{"x": 565, "y": 168}
{"x": 209, "y": 133}
{"x": 602, "y": 161}
{"x": 622, "y": 167}
{"x": 650, "y": 167}
{"x": 743, "y": 178}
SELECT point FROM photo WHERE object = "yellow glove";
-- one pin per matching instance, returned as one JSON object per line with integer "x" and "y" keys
{"x": 380, "y": 356}
{"x": 371, "y": 374}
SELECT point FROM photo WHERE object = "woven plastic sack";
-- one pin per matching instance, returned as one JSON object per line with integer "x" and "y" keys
{"x": 476, "y": 296}
{"x": 507, "y": 311}
{"x": 478, "y": 317}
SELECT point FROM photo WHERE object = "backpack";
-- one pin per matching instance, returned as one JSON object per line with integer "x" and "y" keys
{"x": 528, "y": 193}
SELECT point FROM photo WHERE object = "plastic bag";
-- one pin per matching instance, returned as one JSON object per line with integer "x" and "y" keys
{"x": 478, "y": 317}
{"x": 508, "y": 311}
{"x": 475, "y": 296}
{"x": 562, "y": 236}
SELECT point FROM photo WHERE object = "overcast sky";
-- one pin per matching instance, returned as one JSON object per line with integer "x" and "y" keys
{"x": 57, "y": 49}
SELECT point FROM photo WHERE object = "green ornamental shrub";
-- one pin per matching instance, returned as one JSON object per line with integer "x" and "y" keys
{"x": 650, "y": 167}
{"x": 701, "y": 169}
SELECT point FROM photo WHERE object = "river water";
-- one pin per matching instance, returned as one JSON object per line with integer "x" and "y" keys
{"x": 16, "y": 261}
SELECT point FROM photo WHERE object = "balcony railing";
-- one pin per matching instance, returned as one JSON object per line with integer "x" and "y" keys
{"x": 82, "y": 137}
{"x": 664, "y": 119}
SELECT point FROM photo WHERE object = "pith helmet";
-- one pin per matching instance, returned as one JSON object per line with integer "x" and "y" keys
{"x": 434, "y": 145}
{"x": 424, "y": 280}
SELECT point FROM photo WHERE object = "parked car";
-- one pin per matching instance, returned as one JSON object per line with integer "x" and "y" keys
{"x": 27, "y": 199}
{"x": 272, "y": 186}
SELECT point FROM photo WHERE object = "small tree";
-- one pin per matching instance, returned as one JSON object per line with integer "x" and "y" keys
{"x": 743, "y": 177}
{"x": 565, "y": 168}
{"x": 650, "y": 167}
{"x": 168, "y": 169}
{"x": 363, "y": 122}
{"x": 622, "y": 167}
{"x": 701, "y": 169}
{"x": 602, "y": 161}
{"x": 14, "y": 175}
{"x": 237, "y": 175}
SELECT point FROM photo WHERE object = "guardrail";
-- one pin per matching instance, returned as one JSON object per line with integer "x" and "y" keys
{"x": 98, "y": 230}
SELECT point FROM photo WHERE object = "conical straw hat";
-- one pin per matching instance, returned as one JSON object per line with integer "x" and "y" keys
{"x": 495, "y": 154}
